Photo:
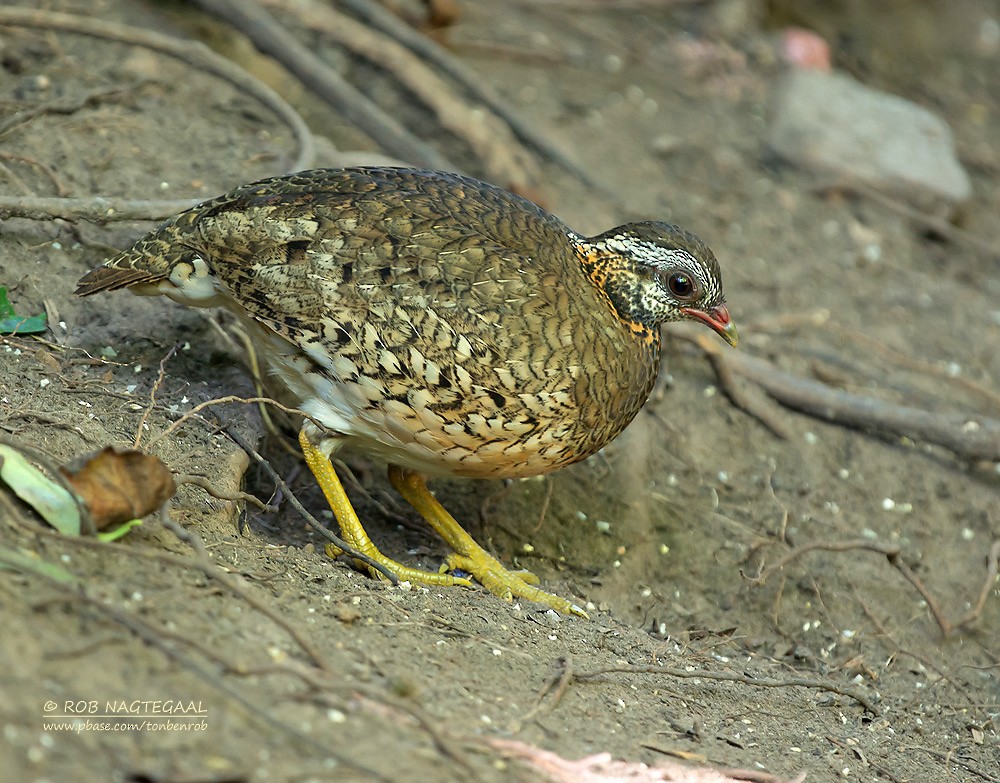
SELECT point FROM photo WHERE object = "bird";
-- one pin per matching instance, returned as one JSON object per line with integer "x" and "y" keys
{"x": 437, "y": 323}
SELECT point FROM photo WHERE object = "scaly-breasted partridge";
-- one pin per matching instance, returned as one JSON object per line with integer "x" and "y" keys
{"x": 435, "y": 322}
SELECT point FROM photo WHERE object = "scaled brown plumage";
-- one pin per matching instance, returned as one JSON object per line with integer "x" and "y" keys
{"x": 439, "y": 323}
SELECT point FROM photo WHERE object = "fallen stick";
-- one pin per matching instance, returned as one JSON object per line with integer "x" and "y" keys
{"x": 970, "y": 436}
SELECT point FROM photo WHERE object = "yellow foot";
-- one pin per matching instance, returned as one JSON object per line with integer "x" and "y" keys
{"x": 351, "y": 529}
{"x": 469, "y": 556}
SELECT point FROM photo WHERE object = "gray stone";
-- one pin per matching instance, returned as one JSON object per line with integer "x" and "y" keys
{"x": 831, "y": 124}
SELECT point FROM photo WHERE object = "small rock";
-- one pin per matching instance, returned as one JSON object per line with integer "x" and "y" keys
{"x": 831, "y": 124}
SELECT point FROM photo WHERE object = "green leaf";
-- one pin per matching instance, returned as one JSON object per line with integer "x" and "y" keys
{"x": 11, "y": 323}
{"x": 54, "y": 502}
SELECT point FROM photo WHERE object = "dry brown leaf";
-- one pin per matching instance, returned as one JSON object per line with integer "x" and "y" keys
{"x": 118, "y": 486}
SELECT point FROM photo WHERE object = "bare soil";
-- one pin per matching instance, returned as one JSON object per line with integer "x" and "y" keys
{"x": 662, "y": 534}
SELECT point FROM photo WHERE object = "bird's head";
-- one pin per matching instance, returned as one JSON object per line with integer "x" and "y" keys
{"x": 654, "y": 273}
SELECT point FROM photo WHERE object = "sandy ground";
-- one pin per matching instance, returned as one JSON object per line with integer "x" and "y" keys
{"x": 662, "y": 533}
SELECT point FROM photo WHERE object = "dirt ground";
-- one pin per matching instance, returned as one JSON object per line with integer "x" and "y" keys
{"x": 661, "y": 535}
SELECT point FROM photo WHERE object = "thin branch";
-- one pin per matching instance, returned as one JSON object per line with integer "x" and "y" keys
{"x": 894, "y": 555}
{"x": 935, "y": 223}
{"x": 233, "y": 497}
{"x": 274, "y": 40}
{"x": 208, "y": 567}
{"x": 969, "y": 436}
{"x": 96, "y": 209}
{"x": 191, "y": 53}
{"x": 762, "y": 682}
{"x": 378, "y": 17}
{"x": 499, "y": 153}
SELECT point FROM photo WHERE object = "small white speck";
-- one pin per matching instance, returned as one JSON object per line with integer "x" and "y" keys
{"x": 872, "y": 253}
{"x": 888, "y": 504}
{"x": 85, "y": 404}
{"x": 723, "y": 476}
{"x": 164, "y": 186}
{"x": 968, "y": 534}
{"x": 709, "y": 391}
{"x": 486, "y": 719}
{"x": 137, "y": 369}
{"x": 56, "y": 245}
{"x": 844, "y": 473}
{"x": 810, "y": 438}
{"x": 498, "y": 653}
{"x": 131, "y": 388}
{"x": 44, "y": 382}
{"x": 335, "y": 716}
{"x": 602, "y": 526}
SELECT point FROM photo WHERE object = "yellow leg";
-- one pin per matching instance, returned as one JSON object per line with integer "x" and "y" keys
{"x": 350, "y": 526}
{"x": 469, "y": 556}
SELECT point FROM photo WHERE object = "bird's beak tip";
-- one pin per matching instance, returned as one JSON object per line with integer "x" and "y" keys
{"x": 719, "y": 320}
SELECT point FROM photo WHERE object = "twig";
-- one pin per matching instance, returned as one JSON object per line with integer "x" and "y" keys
{"x": 153, "y": 637}
{"x": 314, "y": 523}
{"x": 232, "y": 497}
{"x": 205, "y": 564}
{"x": 197, "y": 409}
{"x": 951, "y": 758}
{"x": 499, "y": 153}
{"x": 937, "y": 224}
{"x": 549, "y": 490}
{"x": 917, "y": 365}
{"x": 152, "y": 394}
{"x": 96, "y": 209}
{"x": 37, "y": 164}
{"x": 969, "y": 436}
{"x": 739, "y": 393}
{"x": 606, "y": 5}
{"x": 273, "y": 39}
{"x": 189, "y": 52}
{"x": 893, "y": 553}
{"x": 69, "y": 105}
{"x": 557, "y": 684}
{"x": 763, "y": 682}
{"x": 427, "y": 49}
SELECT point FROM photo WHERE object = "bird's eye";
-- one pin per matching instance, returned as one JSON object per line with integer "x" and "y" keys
{"x": 682, "y": 285}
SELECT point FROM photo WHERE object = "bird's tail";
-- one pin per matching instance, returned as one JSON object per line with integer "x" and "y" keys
{"x": 143, "y": 266}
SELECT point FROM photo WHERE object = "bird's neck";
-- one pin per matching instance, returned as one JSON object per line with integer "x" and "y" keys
{"x": 618, "y": 286}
